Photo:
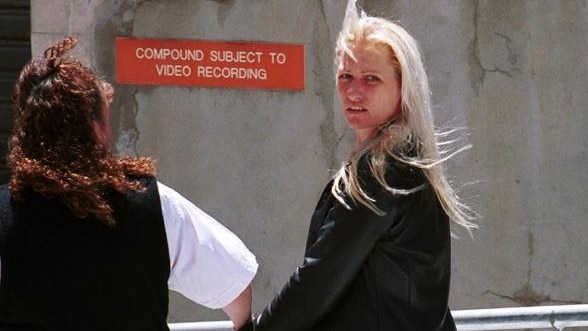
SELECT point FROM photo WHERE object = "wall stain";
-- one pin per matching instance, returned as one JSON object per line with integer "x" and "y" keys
{"x": 116, "y": 19}
{"x": 526, "y": 295}
{"x": 476, "y": 72}
{"x": 225, "y": 7}
{"x": 512, "y": 56}
{"x": 323, "y": 85}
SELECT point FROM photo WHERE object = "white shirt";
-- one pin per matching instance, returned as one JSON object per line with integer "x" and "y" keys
{"x": 209, "y": 264}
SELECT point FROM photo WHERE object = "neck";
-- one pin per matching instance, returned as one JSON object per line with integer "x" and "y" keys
{"x": 362, "y": 135}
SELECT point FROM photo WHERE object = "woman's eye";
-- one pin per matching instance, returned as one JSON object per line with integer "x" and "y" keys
{"x": 372, "y": 79}
{"x": 344, "y": 77}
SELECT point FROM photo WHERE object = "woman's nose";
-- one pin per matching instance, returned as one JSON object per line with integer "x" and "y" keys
{"x": 354, "y": 91}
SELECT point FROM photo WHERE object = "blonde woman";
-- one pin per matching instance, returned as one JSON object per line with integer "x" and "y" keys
{"x": 378, "y": 250}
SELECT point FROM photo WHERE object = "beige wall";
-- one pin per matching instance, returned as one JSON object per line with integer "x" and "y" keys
{"x": 512, "y": 72}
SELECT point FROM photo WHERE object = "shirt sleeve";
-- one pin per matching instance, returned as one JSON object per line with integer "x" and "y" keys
{"x": 210, "y": 265}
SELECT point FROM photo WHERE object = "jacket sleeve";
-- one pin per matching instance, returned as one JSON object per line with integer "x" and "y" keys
{"x": 331, "y": 262}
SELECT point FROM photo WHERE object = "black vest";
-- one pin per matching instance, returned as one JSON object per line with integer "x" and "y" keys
{"x": 63, "y": 273}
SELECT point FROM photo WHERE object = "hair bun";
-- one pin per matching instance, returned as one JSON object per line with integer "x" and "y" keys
{"x": 56, "y": 51}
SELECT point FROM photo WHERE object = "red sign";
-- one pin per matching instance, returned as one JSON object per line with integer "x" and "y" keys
{"x": 209, "y": 63}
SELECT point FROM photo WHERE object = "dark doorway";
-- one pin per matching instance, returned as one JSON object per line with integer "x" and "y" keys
{"x": 15, "y": 51}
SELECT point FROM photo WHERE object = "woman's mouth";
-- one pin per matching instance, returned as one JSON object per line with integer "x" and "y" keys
{"x": 356, "y": 109}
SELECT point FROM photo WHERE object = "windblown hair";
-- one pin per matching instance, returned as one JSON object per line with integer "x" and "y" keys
{"x": 54, "y": 150}
{"x": 409, "y": 137}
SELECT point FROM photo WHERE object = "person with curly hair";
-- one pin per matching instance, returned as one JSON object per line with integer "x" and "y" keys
{"x": 378, "y": 248}
{"x": 89, "y": 241}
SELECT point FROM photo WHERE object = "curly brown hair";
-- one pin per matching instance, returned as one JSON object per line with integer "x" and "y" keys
{"x": 54, "y": 150}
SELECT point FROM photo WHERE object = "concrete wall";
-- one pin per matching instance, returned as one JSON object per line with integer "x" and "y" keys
{"x": 512, "y": 72}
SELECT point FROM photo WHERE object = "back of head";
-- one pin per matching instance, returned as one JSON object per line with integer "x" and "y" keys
{"x": 56, "y": 100}
{"x": 54, "y": 149}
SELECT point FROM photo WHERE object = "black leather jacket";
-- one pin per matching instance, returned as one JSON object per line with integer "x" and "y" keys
{"x": 364, "y": 272}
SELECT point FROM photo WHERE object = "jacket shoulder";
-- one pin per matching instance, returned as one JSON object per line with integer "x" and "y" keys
{"x": 397, "y": 175}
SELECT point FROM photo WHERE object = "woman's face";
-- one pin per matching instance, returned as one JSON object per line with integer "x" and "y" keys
{"x": 368, "y": 88}
{"x": 102, "y": 125}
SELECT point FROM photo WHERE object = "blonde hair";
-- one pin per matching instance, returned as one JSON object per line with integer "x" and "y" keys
{"x": 410, "y": 136}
